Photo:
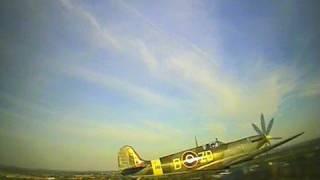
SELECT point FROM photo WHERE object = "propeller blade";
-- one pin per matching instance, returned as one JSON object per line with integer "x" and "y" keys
{"x": 255, "y": 127}
{"x": 269, "y": 126}
{"x": 263, "y": 124}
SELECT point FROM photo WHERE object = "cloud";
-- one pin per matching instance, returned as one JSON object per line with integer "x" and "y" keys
{"x": 145, "y": 131}
{"x": 312, "y": 88}
{"x": 213, "y": 92}
{"x": 21, "y": 106}
{"x": 100, "y": 35}
{"x": 185, "y": 66}
{"x": 132, "y": 91}
{"x": 221, "y": 94}
{"x": 147, "y": 57}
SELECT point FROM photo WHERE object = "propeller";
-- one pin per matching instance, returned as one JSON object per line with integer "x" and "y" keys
{"x": 265, "y": 131}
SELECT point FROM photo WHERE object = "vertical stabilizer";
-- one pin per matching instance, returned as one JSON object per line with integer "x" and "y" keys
{"x": 129, "y": 158}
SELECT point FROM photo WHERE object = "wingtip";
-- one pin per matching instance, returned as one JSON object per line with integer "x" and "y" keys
{"x": 297, "y": 135}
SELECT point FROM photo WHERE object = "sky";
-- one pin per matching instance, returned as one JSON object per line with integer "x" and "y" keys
{"x": 80, "y": 79}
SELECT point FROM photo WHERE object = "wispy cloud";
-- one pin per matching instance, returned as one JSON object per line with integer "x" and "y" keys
{"x": 132, "y": 91}
{"x": 147, "y": 57}
{"x": 144, "y": 131}
{"x": 186, "y": 66}
{"x": 311, "y": 89}
{"x": 100, "y": 35}
{"x": 229, "y": 97}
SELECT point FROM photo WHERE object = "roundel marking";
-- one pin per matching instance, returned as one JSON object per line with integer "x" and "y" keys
{"x": 189, "y": 159}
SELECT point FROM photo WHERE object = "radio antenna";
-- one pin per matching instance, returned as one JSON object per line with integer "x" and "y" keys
{"x": 196, "y": 141}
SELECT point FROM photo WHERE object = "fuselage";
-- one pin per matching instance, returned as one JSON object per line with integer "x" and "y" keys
{"x": 211, "y": 156}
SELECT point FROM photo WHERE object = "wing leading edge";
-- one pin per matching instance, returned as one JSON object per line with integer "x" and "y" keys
{"x": 268, "y": 148}
{"x": 229, "y": 161}
{"x": 263, "y": 150}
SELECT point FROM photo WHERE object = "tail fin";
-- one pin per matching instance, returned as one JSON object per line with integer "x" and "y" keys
{"x": 129, "y": 158}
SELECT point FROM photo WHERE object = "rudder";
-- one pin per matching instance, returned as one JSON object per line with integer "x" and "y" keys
{"x": 129, "y": 158}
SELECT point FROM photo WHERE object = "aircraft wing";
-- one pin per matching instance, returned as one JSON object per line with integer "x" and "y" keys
{"x": 233, "y": 160}
{"x": 191, "y": 173}
{"x": 263, "y": 150}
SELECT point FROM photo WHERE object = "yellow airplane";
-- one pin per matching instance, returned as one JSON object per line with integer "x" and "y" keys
{"x": 214, "y": 156}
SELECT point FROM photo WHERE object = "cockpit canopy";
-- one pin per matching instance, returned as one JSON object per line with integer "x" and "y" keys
{"x": 213, "y": 144}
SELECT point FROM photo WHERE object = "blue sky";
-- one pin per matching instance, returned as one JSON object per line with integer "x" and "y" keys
{"x": 79, "y": 79}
